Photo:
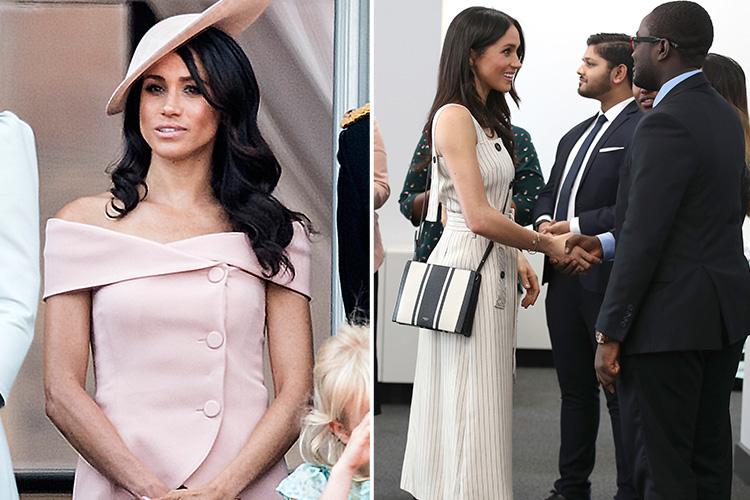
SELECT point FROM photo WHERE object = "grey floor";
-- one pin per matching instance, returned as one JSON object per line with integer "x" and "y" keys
{"x": 535, "y": 441}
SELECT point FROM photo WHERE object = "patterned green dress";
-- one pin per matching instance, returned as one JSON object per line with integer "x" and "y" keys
{"x": 527, "y": 184}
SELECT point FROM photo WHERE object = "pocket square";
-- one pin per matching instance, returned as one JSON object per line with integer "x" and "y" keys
{"x": 614, "y": 148}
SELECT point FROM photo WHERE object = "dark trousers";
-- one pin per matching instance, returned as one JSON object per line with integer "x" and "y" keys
{"x": 571, "y": 314}
{"x": 675, "y": 414}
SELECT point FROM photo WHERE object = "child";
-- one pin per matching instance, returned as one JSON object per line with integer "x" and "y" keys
{"x": 335, "y": 440}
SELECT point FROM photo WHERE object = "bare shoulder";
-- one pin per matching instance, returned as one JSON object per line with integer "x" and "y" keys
{"x": 87, "y": 210}
{"x": 454, "y": 129}
{"x": 455, "y": 114}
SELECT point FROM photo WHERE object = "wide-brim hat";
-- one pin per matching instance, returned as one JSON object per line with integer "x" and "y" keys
{"x": 230, "y": 16}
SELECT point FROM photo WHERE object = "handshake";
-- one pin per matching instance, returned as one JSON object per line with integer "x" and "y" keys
{"x": 580, "y": 251}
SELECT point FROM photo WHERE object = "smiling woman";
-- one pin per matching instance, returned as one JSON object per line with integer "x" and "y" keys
{"x": 462, "y": 385}
{"x": 175, "y": 278}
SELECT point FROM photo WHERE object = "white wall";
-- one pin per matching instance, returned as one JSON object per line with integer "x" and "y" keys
{"x": 406, "y": 54}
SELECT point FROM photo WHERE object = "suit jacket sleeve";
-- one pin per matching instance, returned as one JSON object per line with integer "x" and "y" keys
{"x": 19, "y": 246}
{"x": 663, "y": 164}
{"x": 353, "y": 218}
{"x": 598, "y": 221}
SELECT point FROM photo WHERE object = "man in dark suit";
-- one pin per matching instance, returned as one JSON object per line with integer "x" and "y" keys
{"x": 580, "y": 198}
{"x": 353, "y": 214}
{"x": 675, "y": 313}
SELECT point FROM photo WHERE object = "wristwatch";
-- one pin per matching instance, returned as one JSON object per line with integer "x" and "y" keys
{"x": 601, "y": 338}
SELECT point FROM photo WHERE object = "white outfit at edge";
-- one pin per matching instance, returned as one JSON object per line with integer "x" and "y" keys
{"x": 19, "y": 264}
{"x": 460, "y": 440}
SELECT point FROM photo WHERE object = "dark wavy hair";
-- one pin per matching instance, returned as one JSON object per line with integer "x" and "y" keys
{"x": 245, "y": 171}
{"x": 727, "y": 77}
{"x": 475, "y": 28}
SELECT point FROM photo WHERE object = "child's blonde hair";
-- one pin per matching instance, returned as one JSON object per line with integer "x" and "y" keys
{"x": 341, "y": 375}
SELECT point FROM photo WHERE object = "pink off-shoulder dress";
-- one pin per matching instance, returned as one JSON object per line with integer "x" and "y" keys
{"x": 177, "y": 340}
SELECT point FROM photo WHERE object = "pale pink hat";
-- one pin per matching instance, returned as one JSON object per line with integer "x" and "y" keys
{"x": 230, "y": 16}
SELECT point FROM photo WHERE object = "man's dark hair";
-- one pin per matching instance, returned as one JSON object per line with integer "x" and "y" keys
{"x": 615, "y": 49}
{"x": 688, "y": 25}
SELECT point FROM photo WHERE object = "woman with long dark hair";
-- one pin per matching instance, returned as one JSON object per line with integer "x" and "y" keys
{"x": 727, "y": 77}
{"x": 459, "y": 442}
{"x": 172, "y": 278}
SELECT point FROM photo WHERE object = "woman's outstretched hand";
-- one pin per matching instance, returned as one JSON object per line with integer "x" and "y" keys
{"x": 568, "y": 260}
{"x": 553, "y": 246}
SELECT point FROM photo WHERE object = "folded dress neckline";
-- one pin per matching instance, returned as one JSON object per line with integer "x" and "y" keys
{"x": 57, "y": 220}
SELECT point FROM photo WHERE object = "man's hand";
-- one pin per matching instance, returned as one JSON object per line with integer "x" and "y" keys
{"x": 561, "y": 227}
{"x": 544, "y": 226}
{"x": 582, "y": 252}
{"x": 607, "y": 364}
{"x": 590, "y": 244}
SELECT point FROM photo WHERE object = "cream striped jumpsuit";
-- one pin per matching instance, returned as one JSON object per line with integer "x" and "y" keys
{"x": 460, "y": 439}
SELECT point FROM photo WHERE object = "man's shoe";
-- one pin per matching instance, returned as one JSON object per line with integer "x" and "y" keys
{"x": 556, "y": 496}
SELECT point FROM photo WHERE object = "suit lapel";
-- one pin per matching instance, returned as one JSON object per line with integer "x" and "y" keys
{"x": 621, "y": 118}
{"x": 564, "y": 153}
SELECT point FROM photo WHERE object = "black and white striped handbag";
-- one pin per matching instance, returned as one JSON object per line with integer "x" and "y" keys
{"x": 433, "y": 296}
{"x": 439, "y": 297}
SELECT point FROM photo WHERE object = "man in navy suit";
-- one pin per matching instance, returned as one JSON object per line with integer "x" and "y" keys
{"x": 580, "y": 199}
{"x": 675, "y": 313}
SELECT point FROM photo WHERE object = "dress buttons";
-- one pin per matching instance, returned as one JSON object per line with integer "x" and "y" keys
{"x": 216, "y": 274}
{"x": 502, "y": 275}
{"x": 214, "y": 340}
{"x": 498, "y": 146}
{"x": 211, "y": 408}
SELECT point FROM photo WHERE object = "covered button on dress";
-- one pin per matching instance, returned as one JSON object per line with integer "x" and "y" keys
{"x": 177, "y": 340}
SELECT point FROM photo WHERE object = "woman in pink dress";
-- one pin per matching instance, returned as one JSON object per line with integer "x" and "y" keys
{"x": 175, "y": 279}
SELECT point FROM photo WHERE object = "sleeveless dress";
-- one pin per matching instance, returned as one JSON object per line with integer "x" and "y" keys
{"x": 177, "y": 340}
{"x": 460, "y": 440}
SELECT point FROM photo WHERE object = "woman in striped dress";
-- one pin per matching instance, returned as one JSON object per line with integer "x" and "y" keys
{"x": 459, "y": 441}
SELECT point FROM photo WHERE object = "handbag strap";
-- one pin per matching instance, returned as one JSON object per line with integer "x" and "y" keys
{"x": 420, "y": 231}
{"x": 491, "y": 243}
{"x": 484, "y": 257}
{"x": 434, "y": 185}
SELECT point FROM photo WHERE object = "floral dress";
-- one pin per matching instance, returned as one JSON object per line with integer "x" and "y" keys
{"x": 308, "y": 481}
